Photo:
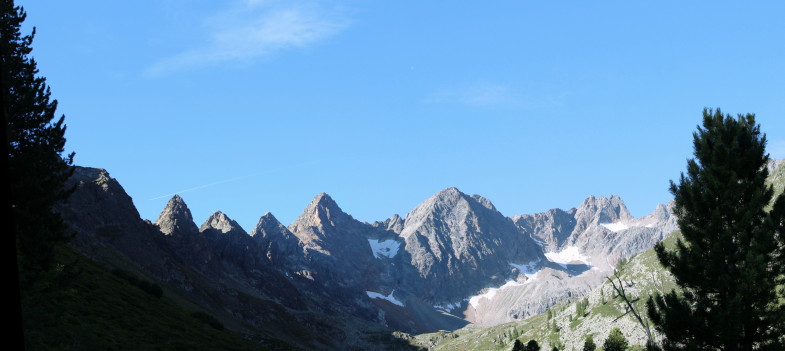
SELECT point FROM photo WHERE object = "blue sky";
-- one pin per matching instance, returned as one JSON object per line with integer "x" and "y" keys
{"x": 255, "y": 106}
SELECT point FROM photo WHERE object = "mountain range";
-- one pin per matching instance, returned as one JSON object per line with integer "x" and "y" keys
{"x": 329, "y": 281}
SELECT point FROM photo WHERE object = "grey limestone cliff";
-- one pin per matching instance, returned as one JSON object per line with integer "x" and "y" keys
{"x": 459, "y": 243}
{"x": 582, "y": 245}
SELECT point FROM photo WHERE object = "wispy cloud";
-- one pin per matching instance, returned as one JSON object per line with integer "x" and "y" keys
{"x": 252, "y": 30}
{"x": 486, "y": 95}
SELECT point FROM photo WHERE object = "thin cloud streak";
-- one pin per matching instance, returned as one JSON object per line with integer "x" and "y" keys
{"x": 230, "y": 180}
{"x": 256, "y": 30}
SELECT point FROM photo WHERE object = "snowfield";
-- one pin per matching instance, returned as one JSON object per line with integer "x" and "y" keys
{"x": 491, "y": 292}
{"x": 615, "y": 227}
{"x": 448, "y": 307}
{"x": 391, "y": 298}
{"x": 387, "y": 248}
{"x": 530, "y": 270}
{"x": 568, "y": 255}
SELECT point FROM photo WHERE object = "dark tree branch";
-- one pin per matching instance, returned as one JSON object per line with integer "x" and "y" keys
{"x": 629, "y": 303}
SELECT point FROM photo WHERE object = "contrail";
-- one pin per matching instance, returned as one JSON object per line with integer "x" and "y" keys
{"x": 228, "y": 181}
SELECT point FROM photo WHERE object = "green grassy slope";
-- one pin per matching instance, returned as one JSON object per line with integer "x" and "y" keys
{"x": 642, "y": 275}
{"x": 103, "y": 310}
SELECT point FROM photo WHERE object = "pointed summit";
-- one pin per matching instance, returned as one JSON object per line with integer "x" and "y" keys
{"x": 176, "y": 218}
{"x": 277, "y": 242}
{"x": 324, "y": 200}
{"x": 455, "y": 239}
{"x": 598, "y": 210}
{"x": 219, "y": 222}
{"x": 321, "y": 213}
{"x": 269, "y": 226}
{"x": 448, "y": 194}
{"x": 395, "y": 224}
{"x": 450, "y": 205}
{"x": 450, "y": 190}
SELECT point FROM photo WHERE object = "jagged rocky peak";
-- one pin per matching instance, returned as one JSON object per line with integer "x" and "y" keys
{"x": 449, "y": 202}
{"x": 96, "y": 175}
{"x": 269, "y": 226}
{"x": 550, "y": 228}
{"x": 219, "y": 221}
{"x": 663, "y": 212}
{"x": 457, "y": 241}
{"x": 278, "y": 243}
{"x": 444, "y": 200}
{"x": 176, "y": 218}
{"x": 395, "y": 224}
{"x": 320, "y": 213}
{"x": 454, "y": 217}
{"x": 597, "y": 210}
{"x": 449, "y": 193}
{"x": 121, "y": 203}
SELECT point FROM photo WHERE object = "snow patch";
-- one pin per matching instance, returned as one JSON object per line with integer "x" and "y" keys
{"x": 538, "y": 241}
{"x": 509, "y": 284}
{"x": 530, "y": 270}
{"x": 448, "y": 307}
{"x": 648, "y": 222}
{"x": 475, "y": 300}
{"x": 566, "y": 256}
{"x": 391, "y": 298}
{"x": 615, "y": 227}
{"x": 387, "y": 248}
{"x": 491, "y": 292}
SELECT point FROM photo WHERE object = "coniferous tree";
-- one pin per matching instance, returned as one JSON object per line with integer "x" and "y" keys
{"x": 589, "y": 344}
{"x": 615, "y": 341}
{"x": 532, "y": 345}
{"x": 580, "y": 307}
{"x": 729, "y": 261}
{"x": 35, "y": 141}
{"x": 518, "y": 346}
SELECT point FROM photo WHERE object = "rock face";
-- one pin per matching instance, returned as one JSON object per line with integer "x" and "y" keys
{"x": 176, "y": 222}
{"x": 550, "y": 229}
{"x": 107, "y": 223}
{"x": 335, "y": 243}
{"x": 601, "y": 228}
{"x": 176, "y": 218}
{"x": 219, "y": 224}
{"x": 325, "y": 228}
{"x": 279, "y": 244}
{"x": 457, "y": 242}
{"x": 393, "y": 224}
{"x": 230, "y": 243}
{"x": 598, "y": 210}
{"x": 582, "y": 246}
